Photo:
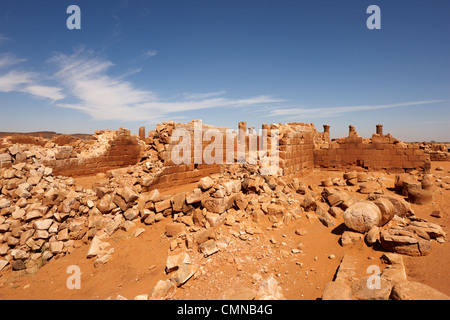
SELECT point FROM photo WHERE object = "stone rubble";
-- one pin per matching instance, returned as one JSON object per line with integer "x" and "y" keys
{"x": 44, "y": 216}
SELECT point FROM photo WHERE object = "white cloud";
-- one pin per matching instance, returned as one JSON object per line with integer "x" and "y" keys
{"x": 52, "y": 93}
{"x": 195, "y": 96}
{"x": 22, "y": 81}
{"x": 14, "y": 80}
{"x": 310, "y": 113}
{"x": 7, "y": 60}
{"x": 149, "y": 53}
{"x": 111, "y": 98}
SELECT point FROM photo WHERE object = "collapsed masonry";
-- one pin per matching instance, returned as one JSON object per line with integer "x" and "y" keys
{"x": 43, "y": 213}
{"x": 300, "y": 148}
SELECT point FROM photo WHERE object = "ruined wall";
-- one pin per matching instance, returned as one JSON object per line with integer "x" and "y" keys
{"x": 120, "y": 151}
{"x": 381, "y": 152}
{"x": 297, "y": 142}
{"x": 72, "y": 157}
{"x": 291, "y": 144}
{"x": 186, "y": 172}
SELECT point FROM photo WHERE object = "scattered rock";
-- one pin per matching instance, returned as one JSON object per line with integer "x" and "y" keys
{"x": 18, "y": 265}
{"x": 349, "y": 237}
{"x": 337, "y": 290}
{"x": 270, "y": 290}
{"x": 362, "y": 216}
{"x": 411, "y": 290}
{"x": 420, "y": 196}
{"x": 183, "y": 274}
{"x": 175, "y": 261}
{"x": 371, "y": 288}
{"x": 205, "y": 183}
{"x": 173, "y": 229}
{"x": 163, "y": 290}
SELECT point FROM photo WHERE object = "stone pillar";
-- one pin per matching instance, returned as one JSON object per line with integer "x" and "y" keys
{"x": 241, "y": 141}
{"x": 380, "y": 129}
{"x": 351, "y": 130}
{"x": 242, "y": 131}
{"x": 265, "y": 138}
{"x": 142, "y": 133}
{"x": 326, "y": 132}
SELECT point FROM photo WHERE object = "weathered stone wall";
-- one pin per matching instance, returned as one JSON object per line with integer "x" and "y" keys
{"x": 73, "y": 157}
{"x": 187, "y": 171}
{"x": 297, "y": 142}
{"x": 294, "y": 148}
{"x": 381, "y": 152}
{"x": 123, "y": 150}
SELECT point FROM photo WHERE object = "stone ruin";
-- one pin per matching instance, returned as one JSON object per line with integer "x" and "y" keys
{"x": 44, "y": 214}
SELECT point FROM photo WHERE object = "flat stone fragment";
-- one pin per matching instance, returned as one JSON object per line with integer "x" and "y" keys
{"x": 163, "y": 290}
{"x": 372, "y": 288}
{"x": 183, "y": 274}
{"x": 337, "y": 290}
{"x": 411, "y": 290}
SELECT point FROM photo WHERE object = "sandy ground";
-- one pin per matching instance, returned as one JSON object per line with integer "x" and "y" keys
{"x": 139, "y": 262}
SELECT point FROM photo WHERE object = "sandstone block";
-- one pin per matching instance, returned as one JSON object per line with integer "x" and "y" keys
{"x": 362, "y": 216}
{"x": 420, "y": 196}
{"x": 195, "y": 196}
{"x": 163, "y": 290}
{"x": 205, "y": 183}
{"x": 174, "y": 229}
{"x": 410, "y": 290}
{"x": 337, "y": 290}
{"x": 163, "y": 205}
{"x": 364, "y": 289}
{"x": 183, "y": 274}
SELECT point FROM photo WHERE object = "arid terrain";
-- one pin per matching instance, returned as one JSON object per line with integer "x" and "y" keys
{"x": 226, "y": 233}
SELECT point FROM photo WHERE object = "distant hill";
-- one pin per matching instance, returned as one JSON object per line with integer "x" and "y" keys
{"x": 45, "y": 134}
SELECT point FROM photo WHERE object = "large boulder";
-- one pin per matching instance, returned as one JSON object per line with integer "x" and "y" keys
{"x": 410, "y": 290}
{"x": 362, "y": 216}
{"x": 386, "y": 208}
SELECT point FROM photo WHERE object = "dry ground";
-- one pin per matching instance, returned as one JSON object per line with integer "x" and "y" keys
{"x": 138, "y": 263}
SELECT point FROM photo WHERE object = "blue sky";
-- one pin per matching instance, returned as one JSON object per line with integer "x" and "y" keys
{"x": 137, "y": 63}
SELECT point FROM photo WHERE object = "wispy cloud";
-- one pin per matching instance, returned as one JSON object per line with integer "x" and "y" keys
{"x": 149, "y": 53}
{"x": 112, "y": 98}
{"x": 8, "y": 59}
{"x": 85, "y": 78}
{"x": 290, "y": 113}
{"x": 22, "y": 81}
{"x": 195, "y": 96}
{"x": 25, "y": 81}
{"x": 14, "y": 80}
{"x": 52, "y": 93}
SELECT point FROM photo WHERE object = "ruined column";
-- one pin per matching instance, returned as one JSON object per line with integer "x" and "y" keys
{"x": 142, "y": 133}
{"x": 242, "y": 130}
{"x": 380, "y": 129}
{"x": 351, "y": 130}
{"x": 264, "y": 138}
{"x": 326, "y": 132}
{"x": 241, "y": 141}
